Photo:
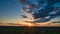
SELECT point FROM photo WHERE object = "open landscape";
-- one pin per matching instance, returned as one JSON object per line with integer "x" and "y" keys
{"x": 29, "y": 16}
{"x": 29, "y": 30}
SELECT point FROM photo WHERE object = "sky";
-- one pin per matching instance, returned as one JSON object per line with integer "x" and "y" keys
{"x": 10, "y": 11}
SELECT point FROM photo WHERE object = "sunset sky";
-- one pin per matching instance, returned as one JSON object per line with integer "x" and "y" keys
{"x": 10, "y": 11}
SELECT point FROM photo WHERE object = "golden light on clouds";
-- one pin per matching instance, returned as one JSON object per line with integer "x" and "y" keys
{"x": 29, "y": 24}
{"x": 39, "y": 24}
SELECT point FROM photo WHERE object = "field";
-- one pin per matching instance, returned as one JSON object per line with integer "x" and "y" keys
{"x": 29, "y": 30}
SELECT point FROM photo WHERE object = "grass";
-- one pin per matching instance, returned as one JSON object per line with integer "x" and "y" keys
{"x": 27, "y": 30}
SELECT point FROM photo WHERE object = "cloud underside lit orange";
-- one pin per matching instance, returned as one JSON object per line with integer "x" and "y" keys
{"x": 31, "y": 24}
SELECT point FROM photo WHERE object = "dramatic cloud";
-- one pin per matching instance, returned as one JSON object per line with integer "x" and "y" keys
{"x": 40, "y": 10}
